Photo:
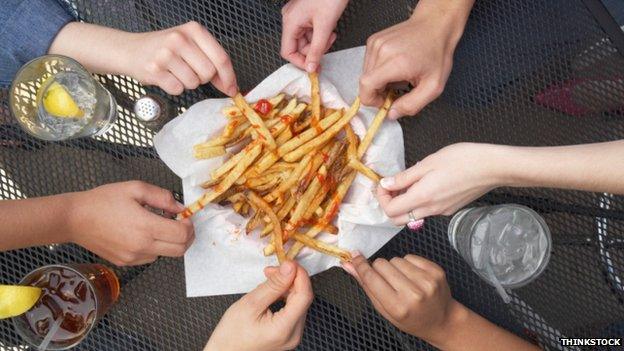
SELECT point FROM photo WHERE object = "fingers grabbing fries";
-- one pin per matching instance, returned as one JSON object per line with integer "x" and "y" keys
{"x": 294, "y": 171}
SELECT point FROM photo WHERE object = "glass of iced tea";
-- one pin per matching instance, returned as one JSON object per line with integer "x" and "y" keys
{"x": 74, "y": 297}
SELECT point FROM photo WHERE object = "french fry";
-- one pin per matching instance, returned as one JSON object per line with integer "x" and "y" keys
{"x": 230, "y": 128}
{"x": 225, "y": 184}
{"x": 315, "y": 94}
{"x": 206, "y": 152}
{"x": 362, "y": 168}
{"x": 255, "y": 120}
{"x": 294, "y": 171}
{"x": 375, "y": 125}
{"x": 291, "y": 180}
{"x": 325, "y": 136}
{"x": 325, "y": 248}
{"x": 253, "y": 223}
{"x": 277, "y": 228}
{"x": 331, "y": 210}
{"x": 234, "y": 111}
{"x": 231, "y": 163}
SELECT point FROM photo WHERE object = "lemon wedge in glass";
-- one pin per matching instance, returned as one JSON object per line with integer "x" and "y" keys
{"x": 17, "y": 299}
{"x": 58, "y": 102}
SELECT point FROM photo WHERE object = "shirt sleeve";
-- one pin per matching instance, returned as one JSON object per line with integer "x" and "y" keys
{"x": 27, "y": 29}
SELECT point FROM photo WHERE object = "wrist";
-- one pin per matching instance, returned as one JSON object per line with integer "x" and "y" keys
{"x": 445, "y": 335}
{"x": 497, "y": 163}
{"x": 74, "y": 217}
{"x": 448, "y": 15}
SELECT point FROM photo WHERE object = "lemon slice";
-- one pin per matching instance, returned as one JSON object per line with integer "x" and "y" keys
{"x": 17, "y": 299}
{"x": 59, "y": 103}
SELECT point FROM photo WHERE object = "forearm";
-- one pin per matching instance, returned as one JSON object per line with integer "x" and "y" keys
{"x": 591, "y": 167}
{"x": 95, "y": 47}
{"x": 33, "y": 222}
{"x": 467, "y": 331}
{"x": 452, "y": 14}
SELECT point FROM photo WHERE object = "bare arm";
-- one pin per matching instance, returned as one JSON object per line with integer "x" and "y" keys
{"x": 110, "y": 221}
{"x": 592, "y": 167}
{"x": 412, "y": 294}
{"x": 174, "y": 59}
{"x": 451, "y": 178}
{"x": 33, "y": 222}
{"x": 467, "y": 331}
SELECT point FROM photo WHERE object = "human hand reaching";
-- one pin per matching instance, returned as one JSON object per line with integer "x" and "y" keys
{"x": 113, "y": 222}
{"x": 250, "y": 325}
{"x": 443, "y": 182}
{"x": 308, "y": 30}
{"x": 410, "y": 292}
{"x": 174, "y": 59}
{"x": 418, "y": 51}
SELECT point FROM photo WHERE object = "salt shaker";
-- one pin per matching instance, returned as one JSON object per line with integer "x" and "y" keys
{"x": 153, "y": 111}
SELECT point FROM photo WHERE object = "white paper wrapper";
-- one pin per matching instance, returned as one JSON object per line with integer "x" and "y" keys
{"x": 223, "y": 260}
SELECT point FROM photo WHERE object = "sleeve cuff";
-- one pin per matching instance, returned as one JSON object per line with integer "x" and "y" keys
{"x": 28, "y": 32}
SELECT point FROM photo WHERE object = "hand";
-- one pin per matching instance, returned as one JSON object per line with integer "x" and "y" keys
{"x": 250, "y": 325}
{"x": 410, "y": 292}
{"x": 418, "y": 51}
{"x": 174, "y": 59}
{"x": 443, "y": 182}
{"x": 179, "y": 58}
{"x": 112, "y": 222}
{"x": 307, "y": 30}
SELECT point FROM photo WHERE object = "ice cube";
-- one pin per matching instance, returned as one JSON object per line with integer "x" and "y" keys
{"x": 81, "y": 291}
{"x": 54, "y": 279}
{"x": 42, "y": 326}
{"x": 73, "y": 323}
{"x": 66, "y": 293}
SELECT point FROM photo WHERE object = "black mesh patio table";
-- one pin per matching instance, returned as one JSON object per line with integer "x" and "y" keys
{"x": 513, "y": 53}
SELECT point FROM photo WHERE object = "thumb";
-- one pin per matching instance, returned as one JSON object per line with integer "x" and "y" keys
{"x": 403, "y": 179}
{"x": 320, "y": 37}
{"x": 151, "y": 195}
{"x": 277, "y": 284}
{"x": 414, "y": 101}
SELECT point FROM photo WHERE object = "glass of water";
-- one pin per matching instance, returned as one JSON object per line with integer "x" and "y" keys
{"x": 507, "y": 245}
{"x": 54, "y": 98}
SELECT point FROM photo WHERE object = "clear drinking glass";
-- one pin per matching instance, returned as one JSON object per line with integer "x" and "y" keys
{"x": 54, "y": 98}
{"x": 507, "y": 245}
{"x": 74, "y": 297}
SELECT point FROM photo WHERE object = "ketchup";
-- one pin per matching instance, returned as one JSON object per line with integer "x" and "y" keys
{"x": 263, "y": 107}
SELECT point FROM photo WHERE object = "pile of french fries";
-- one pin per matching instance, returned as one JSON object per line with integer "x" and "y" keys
{"x": 295, "y": 167}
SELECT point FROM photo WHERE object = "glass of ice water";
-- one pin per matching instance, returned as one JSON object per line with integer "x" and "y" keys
{"x": 507, "y": 243}
{"x": 54, "y": 98}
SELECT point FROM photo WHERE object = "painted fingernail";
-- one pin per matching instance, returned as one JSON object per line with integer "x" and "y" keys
{"x": 416, "y": 225}
{"x": 393, "y": 114}
{"x": 286, "y": 268}
{"x": 311, "y": 67}
{"x": 387, "y": 182}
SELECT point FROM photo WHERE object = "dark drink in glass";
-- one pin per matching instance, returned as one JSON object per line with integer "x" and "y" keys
{"x": 73, "y": 299}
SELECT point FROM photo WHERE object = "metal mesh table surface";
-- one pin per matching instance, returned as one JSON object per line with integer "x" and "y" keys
{"x": 511, "y": 53}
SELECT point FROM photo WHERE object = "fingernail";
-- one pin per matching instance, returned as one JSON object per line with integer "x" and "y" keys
{"x": 311, "y": 67}
{"x": 355, "y": 253}
{"x": 387, "y": 182}
{"x": 416, "y": 225}
{"x": 180, "y": 206}
{"x": 393, "y": 114}
{"x": 286, "y": 268}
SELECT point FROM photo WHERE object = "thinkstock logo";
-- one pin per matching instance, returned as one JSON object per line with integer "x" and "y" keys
{"x": 590, "y": 342}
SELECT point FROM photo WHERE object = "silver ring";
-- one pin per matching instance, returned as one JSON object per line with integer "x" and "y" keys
{"x": 411, "y": 216}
